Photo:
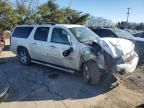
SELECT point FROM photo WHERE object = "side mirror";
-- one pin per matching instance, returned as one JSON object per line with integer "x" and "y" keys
{"x": 67, "y": 52}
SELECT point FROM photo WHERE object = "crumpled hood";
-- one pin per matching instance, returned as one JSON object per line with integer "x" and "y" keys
{"x": 116, "y": 47}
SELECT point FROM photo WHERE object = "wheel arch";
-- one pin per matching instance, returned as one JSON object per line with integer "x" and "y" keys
{"x": 22, "y": 47}
{"x": 85, "y": 58}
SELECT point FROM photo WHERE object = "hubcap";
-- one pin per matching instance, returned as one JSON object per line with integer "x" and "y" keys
{"x": 23, "y": 57}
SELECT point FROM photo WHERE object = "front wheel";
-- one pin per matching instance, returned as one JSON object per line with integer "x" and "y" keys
{"x": 24, "y": 56}
{"x": 91, "y": 73}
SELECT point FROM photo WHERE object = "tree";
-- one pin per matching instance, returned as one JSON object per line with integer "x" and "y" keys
{"x": 74, "y": 17}
{"x": 50, "y": 12}
{"x": 29, "y": 11}
{"x": 133, "y": 26}
{"x": 140, "y": 26}
{"x": 98, "y": 22}
{"x": 122, "y": 25}
{"x": 6, "y": 15}
{"x": 26, "y": 11}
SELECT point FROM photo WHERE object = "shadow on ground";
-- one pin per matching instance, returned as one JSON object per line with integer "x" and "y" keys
{"x": 37, "y": 83}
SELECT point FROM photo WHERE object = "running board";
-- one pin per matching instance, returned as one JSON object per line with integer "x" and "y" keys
{"x": 55, "y": 67}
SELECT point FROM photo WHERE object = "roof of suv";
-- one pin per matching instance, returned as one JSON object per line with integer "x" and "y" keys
{"x": 58, "y": 25}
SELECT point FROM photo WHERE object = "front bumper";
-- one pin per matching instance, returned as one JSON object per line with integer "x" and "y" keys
{"x": 129, "y": 66}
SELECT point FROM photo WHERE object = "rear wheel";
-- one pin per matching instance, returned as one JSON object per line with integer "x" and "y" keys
{"x": 24, "y": 56}
{"x": 91, "y": 73}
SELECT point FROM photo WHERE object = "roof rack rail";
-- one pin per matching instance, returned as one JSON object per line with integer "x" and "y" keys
{"x": 51, "y": 23}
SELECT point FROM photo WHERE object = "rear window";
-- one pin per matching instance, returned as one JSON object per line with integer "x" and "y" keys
{"x": 22, "y": 32}
{"x": 104, "y": 33}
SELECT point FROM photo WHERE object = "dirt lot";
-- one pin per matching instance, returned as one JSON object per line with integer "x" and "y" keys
{"x": 38, "y": 86}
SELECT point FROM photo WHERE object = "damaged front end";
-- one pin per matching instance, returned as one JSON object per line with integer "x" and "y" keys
{"x": 111, "y": 54}
{"x": 94, "y": 52}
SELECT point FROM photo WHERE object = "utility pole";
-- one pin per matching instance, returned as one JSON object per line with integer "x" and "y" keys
{"x": 128, "y": 13}
{"x": 70, "y": 2}
{"x": 69, "y": 12}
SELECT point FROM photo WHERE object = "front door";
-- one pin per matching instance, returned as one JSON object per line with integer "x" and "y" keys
{"x": 59, "y": 42}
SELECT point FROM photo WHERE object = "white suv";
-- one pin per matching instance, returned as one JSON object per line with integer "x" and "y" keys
{"x": 72, "y": 48}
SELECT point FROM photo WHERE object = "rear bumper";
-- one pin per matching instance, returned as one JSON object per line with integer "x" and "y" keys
{"x": 13, "y": 49}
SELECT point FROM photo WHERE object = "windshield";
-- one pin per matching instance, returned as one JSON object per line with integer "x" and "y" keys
{"x": 122, "y": 33}
{"x": 83, "y": 34}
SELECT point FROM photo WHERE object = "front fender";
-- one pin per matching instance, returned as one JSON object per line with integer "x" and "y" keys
{"x": 99, "y": 59}
{"x": 85, "y": 58}
{"x": 89, "y": 56}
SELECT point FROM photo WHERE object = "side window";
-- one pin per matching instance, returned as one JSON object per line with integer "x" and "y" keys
{"x": 108, "y": 33}
{"x": 105, "y": 33}
{"x": 22, "y": 32}
{"x": 60, "y": 36}
{"x": 99, "y": 32}
{"x": 41, "y": 33}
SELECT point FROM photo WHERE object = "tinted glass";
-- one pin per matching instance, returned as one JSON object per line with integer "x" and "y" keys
{"x": 41, "y": 33}
{"x": 139, "y": 35}
{"x": 104, "y": 33}
{"x": 22, "y": 32}
{"x": 122, "y": 33}
{"x": 60, "y": 36}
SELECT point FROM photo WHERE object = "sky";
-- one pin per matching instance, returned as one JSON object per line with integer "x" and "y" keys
{"x": 114, "y": 10}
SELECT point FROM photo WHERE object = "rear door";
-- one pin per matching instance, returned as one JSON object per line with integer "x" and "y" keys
{"x": 20, "y": 36}
{"x": 39, "y": 44}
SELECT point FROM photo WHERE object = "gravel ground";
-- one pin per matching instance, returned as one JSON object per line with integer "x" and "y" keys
{"x": 37, "y": 86}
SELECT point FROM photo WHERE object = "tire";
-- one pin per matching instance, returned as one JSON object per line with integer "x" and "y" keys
{"x": 91, "y": 73}
{"x": 24, "y": 56}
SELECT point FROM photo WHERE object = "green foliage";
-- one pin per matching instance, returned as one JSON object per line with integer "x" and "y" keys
{"x": 6, "y": 14}
{"x": 99, "y": 22}
{"x": 50, "y": 12}
{"x": 134, "y": 26}
{"x": 76, "y": 17}
{"x": 26, "y": 12}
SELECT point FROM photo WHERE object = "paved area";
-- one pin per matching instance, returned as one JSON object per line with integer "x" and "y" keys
{"x": 37, "y": 86}
{"x": 38, "y": 83}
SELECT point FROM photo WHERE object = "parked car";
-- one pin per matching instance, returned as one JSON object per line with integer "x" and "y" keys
{"x": 2, "y": 42}
{"x": 118, "y": 33}
{"x": 141, "y": 34}
{"x": 72, "y": 48}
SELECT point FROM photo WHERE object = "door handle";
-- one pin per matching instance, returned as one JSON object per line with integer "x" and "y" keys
{"x": 34, "y": 43}
{"x": 52, "y": 46}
